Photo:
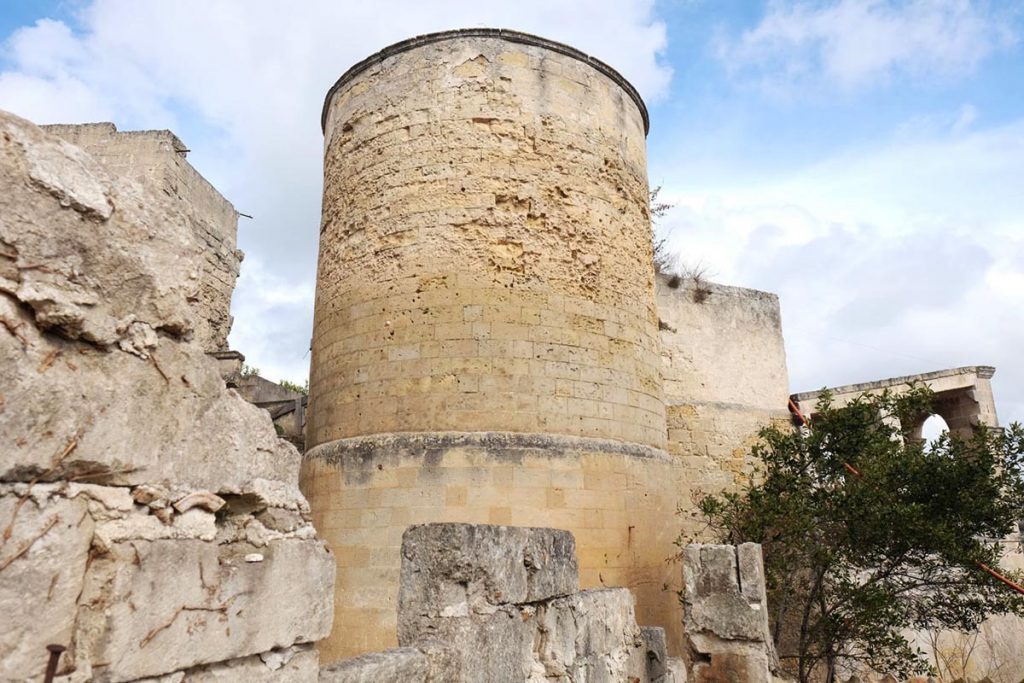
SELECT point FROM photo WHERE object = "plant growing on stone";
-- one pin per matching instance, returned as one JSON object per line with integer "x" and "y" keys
{"x": 662, "y": 259}
{"x": 868, "y": 531}
{"x": 297, "y": 388}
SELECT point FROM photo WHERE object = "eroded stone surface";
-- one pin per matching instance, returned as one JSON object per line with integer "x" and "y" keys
{"x": 286, "y": 665}
{"x": 135, "y": 488}
{"x": 42, "y": 567}
{"x": 500, "y": 604}
{"x": 215, "y": 605}
{"x": 725, "y": 613}
{"x": 454, "y": 570}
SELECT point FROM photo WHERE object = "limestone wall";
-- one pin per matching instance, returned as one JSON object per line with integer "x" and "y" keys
{"x": 157, "y": 159}
{"x": 725, "y": 377}
{"x": 150, "y": 519}
{"x": 485, "y": 246}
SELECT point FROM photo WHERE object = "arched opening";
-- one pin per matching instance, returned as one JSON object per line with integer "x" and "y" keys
{"x": 933, "y": 427}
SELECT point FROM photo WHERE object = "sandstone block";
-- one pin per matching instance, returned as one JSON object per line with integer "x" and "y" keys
{"x": 405, "y": 664}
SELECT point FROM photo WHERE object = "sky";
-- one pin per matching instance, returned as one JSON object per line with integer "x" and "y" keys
{"x": 864, "y": 159}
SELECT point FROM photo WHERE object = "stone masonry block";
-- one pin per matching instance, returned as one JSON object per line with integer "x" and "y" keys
{"x": 591, "y": 636}
{"x": 725, "y": 613}
{"x": 160, "y": 606}
{"x": 451, "y": 570}
{"x": 42, "y": 567}
{"x": 713, "y": 601}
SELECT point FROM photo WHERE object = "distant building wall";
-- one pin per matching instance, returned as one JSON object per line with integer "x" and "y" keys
{"x": 725, "y": 377}
{"x": 157, "y": 158}
{"x": 963, "y": 396}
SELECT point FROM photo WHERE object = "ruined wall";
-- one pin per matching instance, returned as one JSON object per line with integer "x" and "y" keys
{"x": 150, "y": 519}
{"x": 485, "y": 340}
{"x": 725, "y": 377}
{"x": 157, "y": 160}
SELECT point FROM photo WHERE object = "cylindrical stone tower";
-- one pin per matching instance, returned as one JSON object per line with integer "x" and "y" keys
{"x": 485, "y": 344}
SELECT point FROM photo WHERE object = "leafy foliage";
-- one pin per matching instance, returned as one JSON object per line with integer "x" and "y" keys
{"x": 867, "y": 531}
{"x": 297, "y": 388}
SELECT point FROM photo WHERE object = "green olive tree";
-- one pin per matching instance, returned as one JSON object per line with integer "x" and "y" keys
{"x": 867, "y": 531}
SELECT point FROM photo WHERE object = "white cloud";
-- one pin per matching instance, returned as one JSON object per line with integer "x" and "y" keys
{"x": 902, "y": 258}
{"x": 242, "y": 82}
{"x": 852, "y": 44}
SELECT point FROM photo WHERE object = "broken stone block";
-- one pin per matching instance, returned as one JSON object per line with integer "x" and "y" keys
{"x": 139, "y": 619}
{"x": 592, "y": 636}
{"x": 42, "y": 568}
{"x": 452, "y": 570}
{"x": 405, "y": 664}
{"x": 714, "y": 602}
{"x": 656, "y": 650}
{"x": 480, "y": 647}
{"x": 725, "y": 614}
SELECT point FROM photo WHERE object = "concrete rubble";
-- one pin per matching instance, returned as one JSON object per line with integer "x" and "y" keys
{"x": 150, "y": 518}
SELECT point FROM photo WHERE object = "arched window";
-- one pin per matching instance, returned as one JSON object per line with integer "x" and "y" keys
{"x": 933, "y": 427}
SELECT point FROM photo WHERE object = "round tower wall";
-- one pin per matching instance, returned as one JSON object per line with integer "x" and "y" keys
{"x": 486, "y": 343}
{"x": 485, "y": 258}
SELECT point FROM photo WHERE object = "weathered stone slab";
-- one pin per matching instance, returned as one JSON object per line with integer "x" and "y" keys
{"x": 480, "y": 647}
{"x": 405, "y": 664}
{"x": 725, "y": 613}
{"x": 42, "y": 567}
{"x": 591, "y": 636}
{"x": 713, "y": 600}
{"x": 453, "y": 570}
{"x": 151, "y": 608}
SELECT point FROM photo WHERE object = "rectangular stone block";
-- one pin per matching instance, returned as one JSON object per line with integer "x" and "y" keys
{"x": 153, "y": 607}
{"x": 458, "y": 569}
{"x": 591, "y": 636}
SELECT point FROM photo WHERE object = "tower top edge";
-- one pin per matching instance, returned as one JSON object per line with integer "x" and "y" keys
{"x": 499, "y": 33}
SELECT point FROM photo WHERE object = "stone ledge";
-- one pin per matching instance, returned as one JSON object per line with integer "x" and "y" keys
{"x": 361, "y": 450}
